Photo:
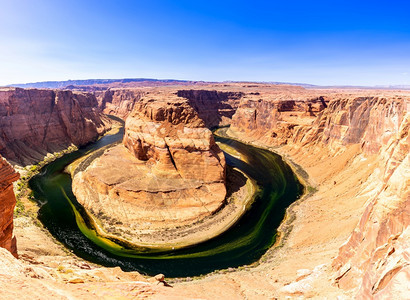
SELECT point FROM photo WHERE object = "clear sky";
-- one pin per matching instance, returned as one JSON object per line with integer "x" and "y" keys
{"x": 320, "y": 42}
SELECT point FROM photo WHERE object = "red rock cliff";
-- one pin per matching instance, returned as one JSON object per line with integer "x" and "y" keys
{"x": 35, "y": 122}
{"x": 274, "y": 121}
{"x": 7, "y": 203}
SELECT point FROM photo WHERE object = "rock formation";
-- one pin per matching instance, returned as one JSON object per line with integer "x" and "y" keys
{"x": 7, "y": 203}
{"x": 375, "y": 258}
{"x": 118, "y": 102}
{"x": 214, "y": 107}
{"x": 274, "y": 122}
{"x": 36, "y": 122}
{"x": 169, "y": 172}
{"x": 351, "y": 230}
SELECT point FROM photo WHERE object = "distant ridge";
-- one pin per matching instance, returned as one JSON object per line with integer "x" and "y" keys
{"x": 128, "y": 82}
{"x": 88, "y": 82}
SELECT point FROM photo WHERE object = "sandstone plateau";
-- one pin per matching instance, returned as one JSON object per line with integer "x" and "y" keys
{"x": 347, "y": 237}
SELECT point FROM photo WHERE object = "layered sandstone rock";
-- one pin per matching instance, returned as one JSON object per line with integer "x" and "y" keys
{"x": 118, "y": 102}
{"x": 214, "y": 107}
{"x": 376, "y": 256}
{"x": 354, "y": 146}
{"x": 375, "y": 259}
{"x": 36, "y": 122}
{"x": 274, "y": 122}
{"x": 169, "y": 172}
{"x": 7, "y": 203}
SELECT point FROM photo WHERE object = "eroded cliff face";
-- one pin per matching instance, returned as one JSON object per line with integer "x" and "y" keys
{"x": 215, "y": 108}
{"x": 118, "y": 102}
{"x": 36, "y": 122}
{"x": 169, "y": 172}
{"x": 7, "y": 203}
{"x": 171, "y": 136}
{"x": 376, "y": 256}
{"x": 274, "y": 122}
{"x": 375, "y": 259}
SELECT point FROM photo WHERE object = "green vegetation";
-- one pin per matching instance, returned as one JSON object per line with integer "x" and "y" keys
{"x": 311, "y": 190}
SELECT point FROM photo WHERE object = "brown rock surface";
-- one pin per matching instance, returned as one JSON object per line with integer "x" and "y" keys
{"x": 376, "y": 256}
{"x": 375, "y": 259}
{"x": 36, "y": 122}
{"x": 274, "y": 122}
{"x": 214, "y": 107}
{"x": 7, "y": 203}
{"x": 118, "y": 102}
{"x": 169, "y": 172}
{"x": 355, "y": 154}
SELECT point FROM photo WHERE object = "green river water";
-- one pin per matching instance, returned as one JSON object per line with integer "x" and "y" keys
{"x": 242, "y": 244}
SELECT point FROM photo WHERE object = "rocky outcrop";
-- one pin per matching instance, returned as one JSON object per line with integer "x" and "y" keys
{"x": 375, "y": 259}
{"x": 171, "y": 136}
{"x": 118, "y": 102}
{"x": 215, "y": 108}
{"x": 7, "y": 203}
{"x": 36, "y": 122}
{"x": 274, "y": 122}
{"x": 168, "y": 173}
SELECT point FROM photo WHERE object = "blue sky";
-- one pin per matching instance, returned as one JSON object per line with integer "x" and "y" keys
{"x": 318, "y": 42}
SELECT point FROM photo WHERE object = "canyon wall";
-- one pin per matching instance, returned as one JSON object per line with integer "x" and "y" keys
{"x": 376, "y": 256}
{"x": 215, "y": 108}
{"x": 36, "y": 122}
{"x": 168, "y": 172}
{"x": 118, "y": 102}
{"x": 7, "y": 203}
{"x": 375, "y": 259}
{"x": 274, "y": 122}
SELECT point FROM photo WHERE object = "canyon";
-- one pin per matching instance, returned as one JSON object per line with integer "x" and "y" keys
{"x": 34, "y": 122}
{"x": 347, "y": 236}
